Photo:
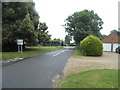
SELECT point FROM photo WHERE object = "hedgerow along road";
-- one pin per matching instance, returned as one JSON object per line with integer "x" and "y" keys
{"x": 37, "y": 71}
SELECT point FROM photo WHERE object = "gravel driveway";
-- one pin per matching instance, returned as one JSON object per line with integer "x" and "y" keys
{"x": 109, "y": 60}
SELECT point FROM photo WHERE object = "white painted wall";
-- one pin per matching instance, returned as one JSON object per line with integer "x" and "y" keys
{"x": 108, "y": 46}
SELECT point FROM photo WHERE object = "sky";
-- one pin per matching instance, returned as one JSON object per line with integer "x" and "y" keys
{"x": 54, "y": 12}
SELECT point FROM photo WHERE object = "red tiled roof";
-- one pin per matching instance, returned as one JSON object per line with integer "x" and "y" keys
{"x": 112, "y": 38}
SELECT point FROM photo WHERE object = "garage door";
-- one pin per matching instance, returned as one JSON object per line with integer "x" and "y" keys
{"x": 106, "y": 46}
{"x": 115, "y": 46}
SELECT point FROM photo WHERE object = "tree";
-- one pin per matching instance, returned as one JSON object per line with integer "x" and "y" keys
{"x": 12, "y": 16}
{"x": 103, "y": 36}
{"x": 67, "y": 39}
{"x": 43, "y": 35}
{"x": 83, "y": 23}
{"x": 26, "y": 31}
{"x": 114, "y": 31}
{"x": 57, "y": 39}
{"x": 62, "y": 43}
{"x": 21, "y": 21}
{"x": 43, "y": 27}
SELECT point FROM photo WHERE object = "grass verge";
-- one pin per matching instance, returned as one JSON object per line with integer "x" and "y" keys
{"x": 77, "y": 53}
{"x": 99, "y": 78}
{"x": 31, "y": 51}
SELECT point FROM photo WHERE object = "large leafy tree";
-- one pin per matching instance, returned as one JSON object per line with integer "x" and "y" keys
{"x": 20, "y": 21}
{"x": 12, "y": 16}
{"x": 83, "y": 23}
{"x": 25, "y": 30}
{"x": 43, "y": 35}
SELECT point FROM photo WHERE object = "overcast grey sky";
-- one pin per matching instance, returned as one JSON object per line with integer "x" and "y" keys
{"x": 54, "y": 12}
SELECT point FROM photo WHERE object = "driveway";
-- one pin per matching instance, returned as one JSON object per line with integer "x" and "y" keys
{"x": 109, "y": 60}
{"x": 36, "y": 72}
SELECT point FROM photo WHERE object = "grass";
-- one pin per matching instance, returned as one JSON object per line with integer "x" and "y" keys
{"x": 99, "y": 78}
{"x": 77, "y": 53}
{"x": 31, "y": 51}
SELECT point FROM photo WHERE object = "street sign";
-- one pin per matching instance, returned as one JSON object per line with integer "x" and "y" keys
{"x": 19, "y": 42}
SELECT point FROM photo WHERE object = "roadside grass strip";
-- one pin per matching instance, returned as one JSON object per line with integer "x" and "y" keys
{"x": 99, "y": 78}
{"x": 31, "y": 51}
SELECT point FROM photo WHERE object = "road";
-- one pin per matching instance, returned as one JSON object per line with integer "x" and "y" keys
{"x": 36, "y": 72}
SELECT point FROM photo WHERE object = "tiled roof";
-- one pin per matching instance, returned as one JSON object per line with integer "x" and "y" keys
{"x": 112, "y": 38}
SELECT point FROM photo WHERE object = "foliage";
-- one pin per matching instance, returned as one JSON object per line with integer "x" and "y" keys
{"x": 91, "y": 46}
{"x": 83, "y": 23}
{"x": 103, "y": 36}
{"x": 116, "y": 32}
{"x": 43, "y": 35}
{"x": 99, "y": 78}
{"x": 77, "y": 52}
{"x": 26, "y": 31}
{"x": 54, "y": 41}
{"x": 62, "y": 43}
{"x": 67, "y": 39}
{"x": 21, "y": 21}
{"x": 43, "y": 27}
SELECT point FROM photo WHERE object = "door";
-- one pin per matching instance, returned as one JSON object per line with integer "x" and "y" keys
{"x": 107, "y": 46}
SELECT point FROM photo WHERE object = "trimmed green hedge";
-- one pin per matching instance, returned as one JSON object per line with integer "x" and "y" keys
{"x": 91, "y": 46}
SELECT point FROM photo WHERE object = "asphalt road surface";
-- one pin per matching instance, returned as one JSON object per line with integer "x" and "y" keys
{"x": 36, "y": 72}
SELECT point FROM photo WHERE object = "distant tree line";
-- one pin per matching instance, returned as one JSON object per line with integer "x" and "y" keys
{"x": 116, "y": 31}
{"x": 21, "y": 21}
{"x": 54, "y": 42}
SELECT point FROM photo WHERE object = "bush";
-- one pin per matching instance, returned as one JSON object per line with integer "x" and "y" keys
{"x": 91, "y": 46}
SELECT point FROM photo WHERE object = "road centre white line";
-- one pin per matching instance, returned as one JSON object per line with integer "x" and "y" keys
{"x": 59, "y": 52}
{"x": 62, "y": 50}
{"x": 56, "y": 54}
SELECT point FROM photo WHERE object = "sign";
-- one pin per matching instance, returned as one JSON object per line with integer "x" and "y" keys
{"x": 19, "y": 42}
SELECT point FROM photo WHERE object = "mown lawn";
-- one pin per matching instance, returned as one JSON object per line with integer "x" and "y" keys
{"x": 31, "y": 51}
{"x": 99, "y": 78}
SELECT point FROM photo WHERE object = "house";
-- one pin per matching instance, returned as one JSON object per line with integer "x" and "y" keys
{"x": 111, "y": 42}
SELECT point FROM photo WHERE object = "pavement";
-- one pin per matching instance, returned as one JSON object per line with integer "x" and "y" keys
{"x": 36, "y": 72}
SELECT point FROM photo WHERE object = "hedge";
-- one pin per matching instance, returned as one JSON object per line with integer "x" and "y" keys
{"x": 91, "y": 46}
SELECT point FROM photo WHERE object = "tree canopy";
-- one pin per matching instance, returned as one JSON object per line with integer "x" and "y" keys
{"x": 83, "y": 23}
{"x": 21, "y": 21}
{"x": 67, "y": 39}
{"x": 114, "y": 31}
